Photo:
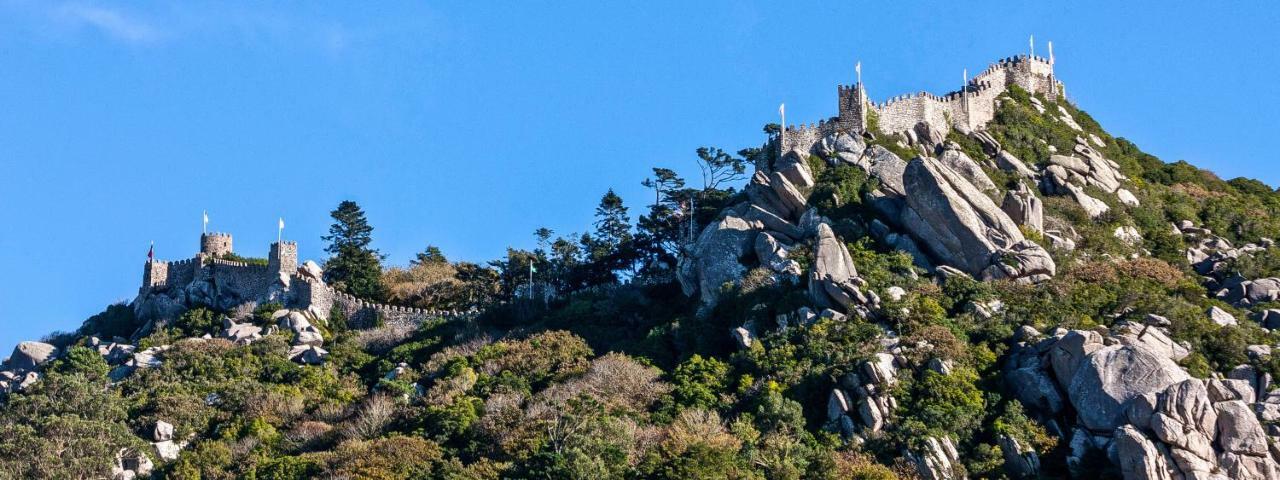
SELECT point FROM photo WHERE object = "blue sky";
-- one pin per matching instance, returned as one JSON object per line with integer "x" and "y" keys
{"x": 469, "y": 124}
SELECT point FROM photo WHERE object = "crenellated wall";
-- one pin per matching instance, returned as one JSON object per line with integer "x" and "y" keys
{"x": 238, "y": 282}
{"x": 283, "y": 257}
{"x": 320, "y": 298}
{"x": 215, "y": 244}
{"x": 235, "y": 283}
{"x": 969, "y": 108}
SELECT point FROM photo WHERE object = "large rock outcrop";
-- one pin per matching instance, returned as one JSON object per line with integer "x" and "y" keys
{"x": 1133, "y": 404}
{"x": 764, "y": 228}
{"x": 1024, "y": 208}
{"x": 964, "y": 228}
{"x": 714, "y": 259}
{"x": 29, "y": 355}
{"x": 1112, "y": 376}
{"x": 956, "y": 160}
{"x": 834, "y": 280}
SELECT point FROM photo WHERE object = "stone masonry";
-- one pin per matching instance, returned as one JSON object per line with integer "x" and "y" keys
{"x": 969, "y": 108}
{"x": 210, "y": 279}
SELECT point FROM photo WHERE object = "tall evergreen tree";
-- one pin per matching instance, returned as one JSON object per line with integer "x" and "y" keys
{"x": 431, "y": 255}
{"x": 613, "y": 226}
{"x": 610, "y": 248}
{"x": 353, "y": 267}
{"x": 661, "y": 231}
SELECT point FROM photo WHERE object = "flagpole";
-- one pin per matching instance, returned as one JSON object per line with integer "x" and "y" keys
{"x": 782, "y": 111}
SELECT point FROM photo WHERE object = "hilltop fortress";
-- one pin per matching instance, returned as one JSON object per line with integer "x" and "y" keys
{"x": 967, "y": 109}
{"x": 208, "y": 278}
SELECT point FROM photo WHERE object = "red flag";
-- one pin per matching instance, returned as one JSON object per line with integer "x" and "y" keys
{"x": 151, "y": 252}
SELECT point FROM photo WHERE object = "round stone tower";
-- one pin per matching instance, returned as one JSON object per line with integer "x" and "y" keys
{"x": 215, "y": 244}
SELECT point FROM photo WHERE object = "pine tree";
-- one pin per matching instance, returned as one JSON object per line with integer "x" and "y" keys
{"x": 610, "y": 248}
{"x": 354, "y": 267}
{"x": 613, "y": 226}
{"x": 431, "y": 255}
{"x": 661, "y": 231}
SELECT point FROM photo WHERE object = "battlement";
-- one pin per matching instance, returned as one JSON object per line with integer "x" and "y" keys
{"x": 228, "y": 284}
{"x": 970, "y": 107}
{"x": 215, "y": 244}
{"x": 283, "y": 257}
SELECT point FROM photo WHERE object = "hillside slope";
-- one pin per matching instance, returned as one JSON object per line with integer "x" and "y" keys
{"x": 1032, "y": 298}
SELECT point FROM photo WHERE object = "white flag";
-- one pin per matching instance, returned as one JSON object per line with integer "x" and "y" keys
{"x": 858, "y": 68}
{"x": 282, "y": 223}
{"x": 782, "y": 110}
{"x": 206, "y": 216}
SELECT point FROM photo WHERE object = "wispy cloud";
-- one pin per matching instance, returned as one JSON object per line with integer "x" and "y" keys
{"x": 333, "y": 32}
{"x": 113, "y": 23}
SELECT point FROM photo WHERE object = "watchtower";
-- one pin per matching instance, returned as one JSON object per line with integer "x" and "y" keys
{"x": 215, "y": 244}
{"x": 853, "y": 108}
{"x": 154, "y": 274}
{"x": 283, "y": 257}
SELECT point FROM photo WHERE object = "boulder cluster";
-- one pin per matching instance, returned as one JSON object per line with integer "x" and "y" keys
{"x": 943, "y": 201}
{"x": 938, "y": 208}
{"x": 1122, "y": 396}
{"x": 21, "y": 371}
{"x": 1211, "y": 256}
{"x": 862, "y": 402}
{"x": 766, "y": 227}
{"x": 1069, "y": 174}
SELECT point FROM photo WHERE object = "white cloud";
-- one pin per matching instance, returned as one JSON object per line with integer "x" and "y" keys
{"x": 112, "y": 23}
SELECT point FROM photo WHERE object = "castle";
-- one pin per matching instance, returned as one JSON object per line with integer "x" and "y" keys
{"x": 967, "y": 109}
{"x": 211, "y": 279}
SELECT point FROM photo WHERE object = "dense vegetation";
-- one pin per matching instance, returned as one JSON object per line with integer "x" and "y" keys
{"x": 588, "y": 362}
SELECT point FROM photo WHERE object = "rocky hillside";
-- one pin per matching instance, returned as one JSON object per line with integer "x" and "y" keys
{"x": 1035, "y": 298}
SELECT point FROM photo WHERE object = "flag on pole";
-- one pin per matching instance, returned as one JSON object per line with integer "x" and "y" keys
{"x": 782, "y": 112}
{"x": 1032, "y": 42}
{"x": 280, "y": 231}
{"x": 205, "y": 226}
{"x": 151, "y": 252}
{"x": 858, "y": 68}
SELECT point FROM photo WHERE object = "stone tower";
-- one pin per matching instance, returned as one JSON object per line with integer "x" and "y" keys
{"x": 215, "y": 244}
{"x": 283, "y": 257}
{"x": 853, "y": 106}
{"x": 154, "y": 274}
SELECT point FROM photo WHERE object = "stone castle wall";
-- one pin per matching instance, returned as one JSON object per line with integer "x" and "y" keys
{"x": 158, "y": 274}
{"x": 240, "y": 282}
{"x": 970, "y": 108}
{"x": 900, "y": 114}
{"x": 215, "y": 244}
{"x": 321, "y": 299}
{"x": 283, "y": 257}
{"x": 279, "y": 281}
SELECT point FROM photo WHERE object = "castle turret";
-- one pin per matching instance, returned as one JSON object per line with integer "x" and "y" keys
{"x": 154, "y": 274}
{"x": 215, "y": 244}
{"x": 283, "y": 257}
{"x": 853, "y": 107}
